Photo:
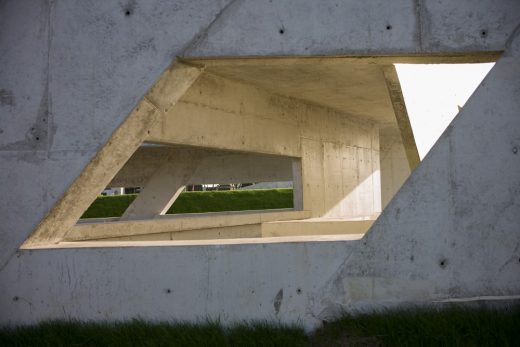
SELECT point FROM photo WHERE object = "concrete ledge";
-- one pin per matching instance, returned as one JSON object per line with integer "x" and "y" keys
{"x": 223, "y": 242}
{"x": 178, "y": 223}
{"x": 315, "y": 226}
{"x": 227, "y": 232}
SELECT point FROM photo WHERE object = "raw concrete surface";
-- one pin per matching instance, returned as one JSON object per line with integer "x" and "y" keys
{"x": 452, "y": 231}
{"x": 218, "y": 167}
{"x": 395, "y": 168}
{"x": 72, "y": 73}
{"x": 219, "y": 221}
{"x": 339, "y": 150}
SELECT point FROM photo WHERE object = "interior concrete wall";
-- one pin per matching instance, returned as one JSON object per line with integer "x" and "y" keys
{"x": 72, "y": 72}
{"x": 339, "y": 152}
{"x": 395, "y": 168}
{"x": 217, "y": 115}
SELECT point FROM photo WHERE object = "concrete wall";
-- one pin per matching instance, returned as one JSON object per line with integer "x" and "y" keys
{"x": 335, "y": 155}
{"x": 231, "y": 282}
{"x": 395, "y": 168}
{"x": 451, "y": 233}
{"x": 379, "y": 27}
{"x": 72, "y": 72}
{"x": 339, "y": 152}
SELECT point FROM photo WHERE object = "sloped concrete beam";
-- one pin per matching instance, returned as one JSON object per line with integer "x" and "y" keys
{"x": 401, "y": 116}
{"x": 109, "y": 160}
{"x": 163, "y": 188}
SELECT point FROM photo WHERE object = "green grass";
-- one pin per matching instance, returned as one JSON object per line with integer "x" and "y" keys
{"x": 199, "y": 202}
{"x": 232, "y": 200}
{"x": 452, "y": 327}
{"x": 141, "y": 333}
{"x": 109, "y": 206}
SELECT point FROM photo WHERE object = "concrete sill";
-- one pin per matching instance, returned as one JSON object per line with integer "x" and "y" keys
{"x": 193, "y": 243}
{"x": 100, "y": 228}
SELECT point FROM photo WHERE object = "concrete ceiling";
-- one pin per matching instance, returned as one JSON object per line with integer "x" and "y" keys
{"x": 353, "y": 86}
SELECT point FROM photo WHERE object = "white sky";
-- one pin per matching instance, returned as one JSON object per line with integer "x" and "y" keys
{"x": 432, "y": 93}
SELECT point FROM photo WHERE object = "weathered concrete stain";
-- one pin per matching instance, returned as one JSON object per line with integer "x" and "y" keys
{"x": 37, "y": 136}
{"x": 7, "y": 98}
{"x": 277, "y": 303}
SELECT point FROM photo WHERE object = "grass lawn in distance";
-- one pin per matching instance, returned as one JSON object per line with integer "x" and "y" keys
{"x": 199, "y": 202}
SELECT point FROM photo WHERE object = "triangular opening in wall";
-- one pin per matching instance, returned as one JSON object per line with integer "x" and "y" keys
{"x": 434, "y": 94}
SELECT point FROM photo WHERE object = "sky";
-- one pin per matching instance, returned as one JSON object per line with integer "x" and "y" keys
{"x": 432, "y": 94}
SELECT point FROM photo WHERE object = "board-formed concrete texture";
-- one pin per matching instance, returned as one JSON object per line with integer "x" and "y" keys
{"x": 82, "y": 87}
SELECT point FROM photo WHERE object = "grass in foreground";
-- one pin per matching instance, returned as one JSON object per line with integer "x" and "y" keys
{"x": 450, "y": 327}
{"x": 453, "y": 327}
{"x": 200, "y": 202}
{"x": 140, "y": 333}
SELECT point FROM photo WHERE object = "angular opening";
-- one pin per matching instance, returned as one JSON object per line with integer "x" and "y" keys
{"x": 175, "y": 194}
{"x": 328, "y": 141}
{"x": 161, "y": 180}
{"x": 434, "y": 94}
